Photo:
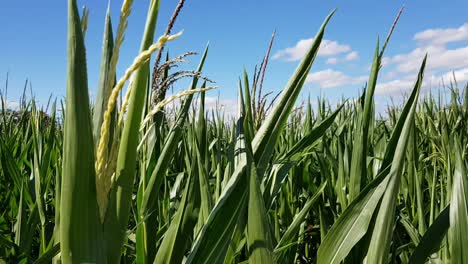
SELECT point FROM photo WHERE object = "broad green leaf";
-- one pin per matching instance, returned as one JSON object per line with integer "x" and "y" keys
{"x": 432, "y": 239}
{"x": 353, "y": 223}
{"x": 103, "y": 90}
{"x": 382, "y": 230}
{"x": 180, "y": 231}
{"x": 259, "y": 242}
{"x": 169, "y": 147}
{"x": 79, "y": 214}
{"x": 267, "y": 135}
{"x": 49, "y": 255}
{"x": 118, "y": 211}
{"x": 292, "y": 231}
{"x": 212, "y": 243}
{"x": 202, "y": 160}
{"x": 358, "y": 172}
{"x": 459, "y": 209}
{"x": 280, "y": 170}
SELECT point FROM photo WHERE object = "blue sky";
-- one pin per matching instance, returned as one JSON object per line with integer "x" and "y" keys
{"x": 33, "y": 43}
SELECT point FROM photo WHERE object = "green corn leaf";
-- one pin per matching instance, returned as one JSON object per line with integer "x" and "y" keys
{"x": 280, "y": 170}
{"x": 233, "y": 204}
{"x": 58, "y": 194}
{"x": 148, "y": 191}
{"x": 459, "y": 209}
{"x": 206, "y": 199}
{"x": 382, "y": 230}
{"x": 238, "y": 155}
{"x": 358, "y": 172}
{"x": 267, "y": 135}
{"x": 79, "y": 215}
{"x": 180, "y": 231}
{"x": 211, "y": 245}
{"x": 103, "y": 90}
{"x": 84, "y": 21}
{"x": 248, "y": 123}
{"x": 292, "y": 231}
{"x": 465, "y": 99}
{"x": 432, "y": 239}
{"x": 218, "y": 231}
{"x": 20, "y": 219}
{"x": 316, "y": 133}
{"x": 410, "y": 230}
{"x": 49, "y": 255}
{"x": 170, "y": 144}
{"x": 278, "y": 173}
{"x": 259, "y": 242}
{"x": 118, "y": 211}
{"x": 25, "y": 225}
{"x": 353, "y": 223}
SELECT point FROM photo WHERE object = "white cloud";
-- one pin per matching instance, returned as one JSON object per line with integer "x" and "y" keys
{"x": 327, "y": 48}
{"x": 332, "y": 61}
{"x": 331, "y": 78}
{"x": 442, "y": 63}
{"x": 12, "y": 105}
{"x": 399, "y": 71}
{"x": 228, "y": 106}
{"x": 394, "y": 86}
{"x": 439, "y": 58}
{"x": 442, "y": 36}
{"x": 212, "y": 103}
{"x": 353, "y": 55}
{"x": 406, "y": 83}
{"x": 459, "y": 75}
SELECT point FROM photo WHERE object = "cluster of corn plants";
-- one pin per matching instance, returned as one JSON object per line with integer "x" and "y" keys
{"x": 125, "y": 182}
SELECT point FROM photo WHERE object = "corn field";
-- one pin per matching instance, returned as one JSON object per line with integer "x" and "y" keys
{"x": 125, "y": 179}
